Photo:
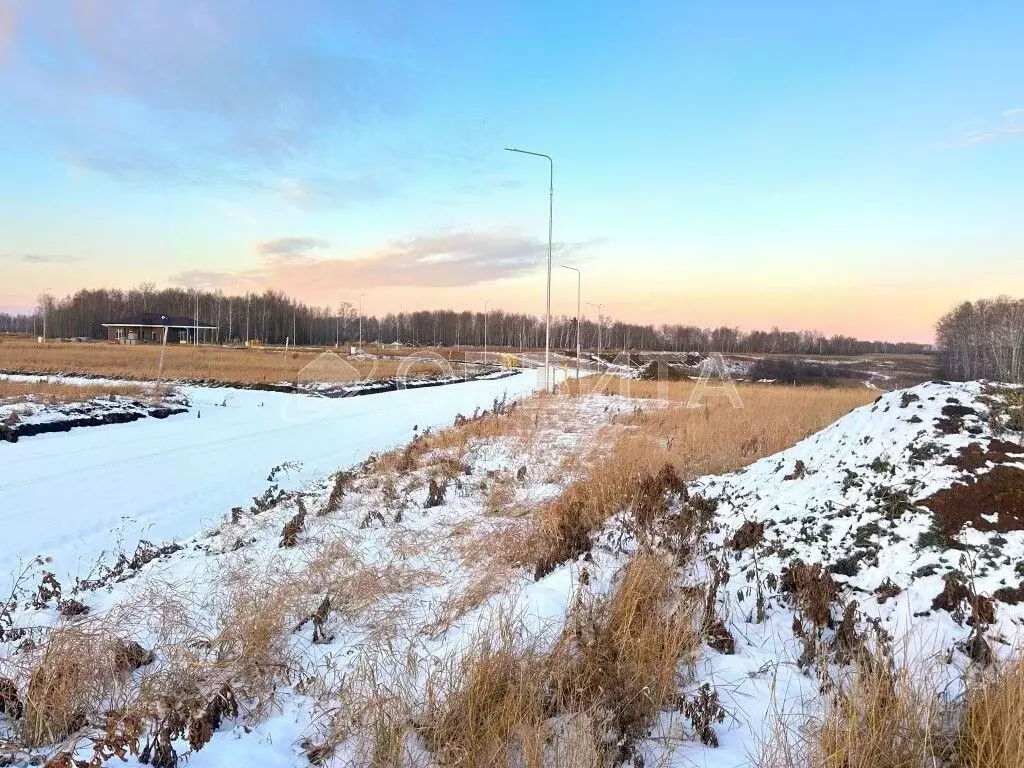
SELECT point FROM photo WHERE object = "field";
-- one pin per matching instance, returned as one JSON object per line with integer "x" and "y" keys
{"x": 874, "y": 371}
{"x": 59, "y": 392}
{"x": 627, "y": 572}
{"x": 141, "y": 362}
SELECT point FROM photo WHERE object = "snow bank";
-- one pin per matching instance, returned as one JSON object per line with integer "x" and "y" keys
{"x": 73, "y": 497}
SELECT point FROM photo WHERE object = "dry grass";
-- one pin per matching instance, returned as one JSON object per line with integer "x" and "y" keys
{"x": 80, "y": 670}
{"x": 206, "y": 363}
{"x": 252, "y": 639}
{"x": 487, "y": 705}
{"x": 715, "y": 437}
{"x": 625, "y": 654}
{"x": 711, "y": 439}
{"x": 55, "y": 392}
{"x": 503, "y": 698}
{"x": 877, "y": 717}
{"x": 991, "y": 734}
{"x": 885, "y": 716}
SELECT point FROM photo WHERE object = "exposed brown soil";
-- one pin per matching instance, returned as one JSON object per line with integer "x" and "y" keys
{"x": 955, "y": 595}
{"x": 953, "y": 418}
{"x": 1010, "y": 595}
{"x": 719, "y": 637}
{"x": 11, "y": 432}
{"x": 750, "y": 534}
{"x": 974, "y": 457}
{"x": 999, "y": 494}
{"x": 887, "y": 590}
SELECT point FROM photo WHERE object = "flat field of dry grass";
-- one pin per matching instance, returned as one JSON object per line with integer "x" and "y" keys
{"x": 141, "y": 362}
{"x": 55, "y": 392}
{"x": 717, "y": 437}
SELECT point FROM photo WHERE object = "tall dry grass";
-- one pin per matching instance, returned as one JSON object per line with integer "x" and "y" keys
{"x": 81, "y": 669}
{"x": 486, "y": 705}
{"x": 716, "y": 437}
{"x": 885, "y": 716}
{"x": 626, "y": 654}
{"x": 991, "y": 733}
{"x": 182, "y": 362}
{"x": 49, "y": 391}
{"x": 661, "y": 430}
{"x": 504, "y": 698}
{"x": 877, "y": 716}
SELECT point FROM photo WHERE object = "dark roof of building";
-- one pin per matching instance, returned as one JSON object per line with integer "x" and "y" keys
{"x": 155, "y": 318}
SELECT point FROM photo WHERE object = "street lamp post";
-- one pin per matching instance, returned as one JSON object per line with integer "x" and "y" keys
{"x": 600, "y": 324}
{"x": 579, "y": 284}
{"x": 549, "y": 383}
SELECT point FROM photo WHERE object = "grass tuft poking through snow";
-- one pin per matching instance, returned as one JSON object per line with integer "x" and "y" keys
{"x": 991, "y": 733}
{"x": 624, "y": 654}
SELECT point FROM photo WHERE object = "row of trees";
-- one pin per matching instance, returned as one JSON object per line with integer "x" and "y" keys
{"x": 983, "y": 339}
{"x": 273, "y": 317}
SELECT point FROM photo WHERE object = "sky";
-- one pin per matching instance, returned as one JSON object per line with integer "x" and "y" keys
{"x": 851, "y": 168}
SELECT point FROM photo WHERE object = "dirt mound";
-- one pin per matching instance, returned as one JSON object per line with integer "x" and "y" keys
{"x": 974, "y": 457}
{"x": 660, "y": 370}
{"x": 992, "y": 502}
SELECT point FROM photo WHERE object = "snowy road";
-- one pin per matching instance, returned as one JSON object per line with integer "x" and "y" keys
{"x": 75, "y": 495}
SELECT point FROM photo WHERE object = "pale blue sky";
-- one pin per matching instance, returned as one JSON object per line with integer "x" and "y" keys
{"x": 851, "y": 167}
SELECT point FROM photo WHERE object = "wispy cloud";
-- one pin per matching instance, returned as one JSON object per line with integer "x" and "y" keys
{"x": 1010, "y": 125}
{"x": 234, "y": 93}
{"x": 8, "y": 20}
{"x": 42, "y": 258}
{"x": 291, "y": 247}
{"x": 428, "y": 261}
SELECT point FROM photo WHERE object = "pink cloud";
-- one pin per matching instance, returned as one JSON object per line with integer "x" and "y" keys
{"x": 444, "y": 260}
{"x": 8, "y": 24}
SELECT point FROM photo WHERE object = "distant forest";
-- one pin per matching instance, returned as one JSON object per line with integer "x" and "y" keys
{"x": 273, "y": 317}
{"x": 983, "y": 339}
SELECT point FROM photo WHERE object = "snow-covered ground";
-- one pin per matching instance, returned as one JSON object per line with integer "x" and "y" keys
{"x": 888, "y": 509}
{"x": 396, "y": 566}
{"x": 35, "y": 415}
{"x": 76, "y": 495}
{"x": 868, "y": 499}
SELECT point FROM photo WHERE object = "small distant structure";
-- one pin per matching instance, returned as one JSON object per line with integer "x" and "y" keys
{"x": 148, "y": 328}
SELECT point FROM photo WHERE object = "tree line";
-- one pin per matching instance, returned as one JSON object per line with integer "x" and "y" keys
{"x": 274, "y": 317}
{"x": 983, "y": 339}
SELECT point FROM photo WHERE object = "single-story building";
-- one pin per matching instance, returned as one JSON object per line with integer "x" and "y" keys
{"x": 149, "y": 328}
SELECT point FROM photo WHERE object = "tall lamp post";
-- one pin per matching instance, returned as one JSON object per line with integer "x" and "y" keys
{"x": 361, "y": 323}
{"x": 579, "y": 284}
{"x": 600, "y": 324}
{"x": 549, "y": 382}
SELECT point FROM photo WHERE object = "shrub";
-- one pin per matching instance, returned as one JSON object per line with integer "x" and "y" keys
{"x": 786, "y": 371}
